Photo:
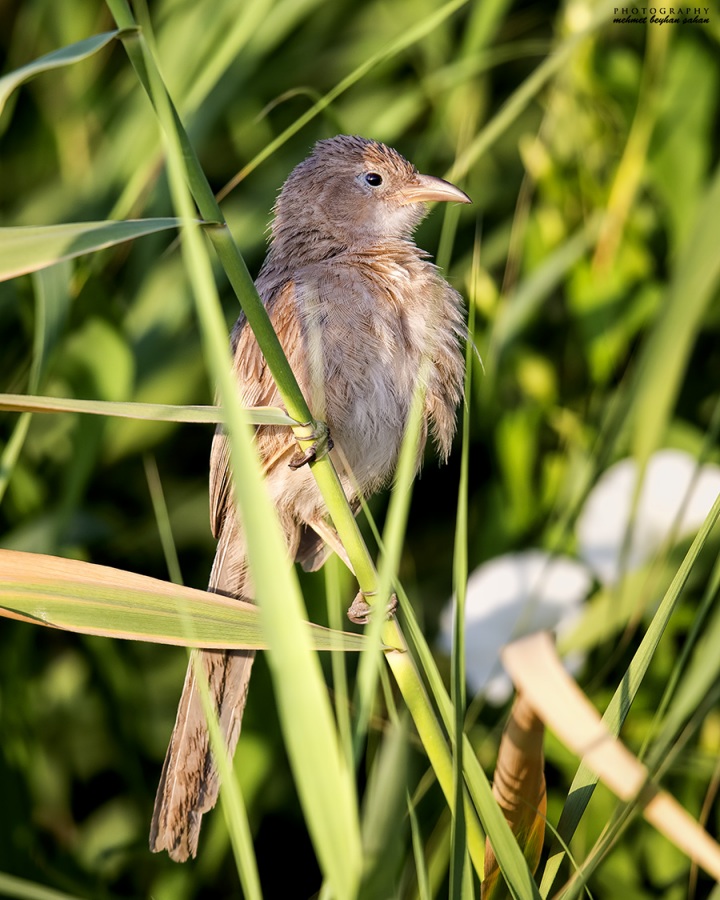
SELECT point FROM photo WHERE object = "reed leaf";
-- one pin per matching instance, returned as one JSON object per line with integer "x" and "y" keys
{"x": 66, "y": 56}
{"x": 91, "y": 599}
{"x": 153, "y": 412}
{"x": 29, "y": 248}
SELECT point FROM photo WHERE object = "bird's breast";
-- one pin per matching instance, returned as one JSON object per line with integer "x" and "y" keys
{"x": 367, "y": 337}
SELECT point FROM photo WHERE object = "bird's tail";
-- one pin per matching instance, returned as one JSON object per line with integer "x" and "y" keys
{"x": 190, "y": 782}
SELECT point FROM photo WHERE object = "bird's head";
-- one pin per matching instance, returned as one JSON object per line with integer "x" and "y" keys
{"x": 356, "y": 191}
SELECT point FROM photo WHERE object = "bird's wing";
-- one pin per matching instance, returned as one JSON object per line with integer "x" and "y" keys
{"x": 257, "y": 388}
{"x": 190, "y": 781}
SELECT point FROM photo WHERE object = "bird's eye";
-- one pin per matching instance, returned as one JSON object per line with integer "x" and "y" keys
{"x": 373, "y": 179}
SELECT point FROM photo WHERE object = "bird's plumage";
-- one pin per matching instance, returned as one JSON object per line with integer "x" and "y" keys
{"x": 361, "y": 315}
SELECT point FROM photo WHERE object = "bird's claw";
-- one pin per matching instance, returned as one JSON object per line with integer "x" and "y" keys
{"x": 302, "y": 459}
{"x": 360, "y": 610}
{"x": 321, "y": 445}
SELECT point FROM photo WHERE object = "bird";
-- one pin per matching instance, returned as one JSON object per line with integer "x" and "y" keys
{"x": 362, "y": 314}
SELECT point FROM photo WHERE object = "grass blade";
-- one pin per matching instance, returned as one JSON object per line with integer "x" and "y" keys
{"x": 666, "y": 353}
{"x": 19, "y": 888}
{"x": 29, "y": 248}
{"x": 52, "y": 305}
{"x": 155, "y": 412}
{"x": 323, "y": 780}
{"x": 66, "y": 56}
{"x": 458, "y": 852}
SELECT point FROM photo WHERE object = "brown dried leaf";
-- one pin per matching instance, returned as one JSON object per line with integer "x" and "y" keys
{"x": 519, "y": 788}
{"x": 536, "y": 670}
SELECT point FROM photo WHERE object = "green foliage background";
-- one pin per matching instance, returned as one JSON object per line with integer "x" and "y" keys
{"x": 595, "y": 193}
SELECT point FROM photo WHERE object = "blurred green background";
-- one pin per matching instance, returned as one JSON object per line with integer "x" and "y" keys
{"x": 592, "y": 163}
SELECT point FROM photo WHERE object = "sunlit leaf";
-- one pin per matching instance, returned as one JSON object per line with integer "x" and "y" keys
{"x": 91, "y": 599}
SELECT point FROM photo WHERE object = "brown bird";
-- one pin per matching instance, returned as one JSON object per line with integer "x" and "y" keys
{"x": 361, "y": 315}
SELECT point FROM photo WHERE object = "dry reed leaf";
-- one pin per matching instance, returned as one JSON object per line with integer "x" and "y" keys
{"x": 536, "y": 671}
{"x": 519, "y": 788}
{"x": 89, "y": 599}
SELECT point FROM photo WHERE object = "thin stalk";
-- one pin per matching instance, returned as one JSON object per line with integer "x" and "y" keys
{"x": 162, "y": 518}
{"x": 435, "y": 744}
{"x": 458, "y": 860}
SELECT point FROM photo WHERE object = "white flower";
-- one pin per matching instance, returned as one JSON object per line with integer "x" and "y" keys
{"x": 671, "y": 486}
{"x": 520, "y": 593}
{"x": 508, "y": 597}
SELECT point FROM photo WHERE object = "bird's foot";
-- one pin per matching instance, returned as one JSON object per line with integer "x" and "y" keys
{"x": 360, "y": 610}
{"x": 321, "y": 445}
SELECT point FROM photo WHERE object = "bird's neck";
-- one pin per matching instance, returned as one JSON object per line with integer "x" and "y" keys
{"x": 305, "y": 245}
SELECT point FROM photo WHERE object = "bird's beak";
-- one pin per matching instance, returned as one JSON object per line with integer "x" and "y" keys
{"x": 427, "y": 188}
